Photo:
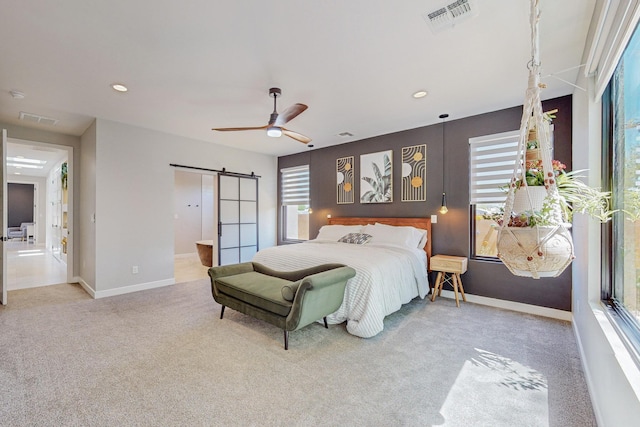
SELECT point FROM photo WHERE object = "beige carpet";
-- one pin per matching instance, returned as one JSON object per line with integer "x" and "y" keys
{"x": 164, "y": 358}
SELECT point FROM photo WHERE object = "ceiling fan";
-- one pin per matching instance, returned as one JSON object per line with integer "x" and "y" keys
{"x": 275, "y": 127}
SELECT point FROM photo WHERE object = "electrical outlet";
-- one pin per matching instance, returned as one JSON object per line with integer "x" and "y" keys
{"x": 134, "y": 269}
{"x": 434, "y": 219}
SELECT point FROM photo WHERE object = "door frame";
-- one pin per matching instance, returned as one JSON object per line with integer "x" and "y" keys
{"x": 4, "y": 285}
{"x": 70, "y": 187}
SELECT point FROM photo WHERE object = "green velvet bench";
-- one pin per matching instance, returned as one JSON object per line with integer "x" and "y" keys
{"x": 289, "y": 300}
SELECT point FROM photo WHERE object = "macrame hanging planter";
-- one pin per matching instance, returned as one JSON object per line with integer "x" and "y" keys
{"x": 533, "y": 237}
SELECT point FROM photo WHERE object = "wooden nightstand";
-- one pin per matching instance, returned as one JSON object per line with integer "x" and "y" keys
{"x": 449, "y": 269}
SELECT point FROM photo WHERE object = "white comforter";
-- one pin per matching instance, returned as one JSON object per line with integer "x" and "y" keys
{"x": 386, "y": 277}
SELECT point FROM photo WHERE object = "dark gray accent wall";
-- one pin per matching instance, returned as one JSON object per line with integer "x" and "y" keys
{"x": 451, "y": 235}
{"x": 19, "y": 204}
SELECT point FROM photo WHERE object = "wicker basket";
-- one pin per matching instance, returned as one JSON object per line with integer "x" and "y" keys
{"x": 536, "y": 251}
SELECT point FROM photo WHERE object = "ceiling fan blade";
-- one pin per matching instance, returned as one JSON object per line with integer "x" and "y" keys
{"x": 243, "y": 128}
{"x": 297, "y": 136}
{"x": 289, "y": 114}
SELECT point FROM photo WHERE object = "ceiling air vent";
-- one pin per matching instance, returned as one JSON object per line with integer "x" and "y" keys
{"x": 447, "y": 14}
{"x": 36, "y": 118}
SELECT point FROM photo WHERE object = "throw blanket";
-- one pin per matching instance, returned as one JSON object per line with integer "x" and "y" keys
{"x": 386, "y": 277}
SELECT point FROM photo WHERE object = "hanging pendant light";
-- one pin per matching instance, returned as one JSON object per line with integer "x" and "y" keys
{"x": 443, "y": 208}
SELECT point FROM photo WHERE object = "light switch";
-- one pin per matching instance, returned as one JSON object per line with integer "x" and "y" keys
{"x": 434, "y": 219}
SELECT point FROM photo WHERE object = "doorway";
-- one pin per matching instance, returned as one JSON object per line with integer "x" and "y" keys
{"x": 33, "y": 261}
{"x": 194, "y": 221}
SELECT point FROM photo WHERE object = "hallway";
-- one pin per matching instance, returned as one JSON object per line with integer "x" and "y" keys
{"x": 31, "y": 265}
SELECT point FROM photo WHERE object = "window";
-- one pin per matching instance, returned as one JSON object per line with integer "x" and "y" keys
{"x": 295, "y": 203}
{"x": 621, "y": 163}
{"x": 492, "y": 159}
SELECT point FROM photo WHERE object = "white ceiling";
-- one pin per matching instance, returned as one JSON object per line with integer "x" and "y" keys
{"x": 34, "y": 151}
{"x": 194, "y": 65}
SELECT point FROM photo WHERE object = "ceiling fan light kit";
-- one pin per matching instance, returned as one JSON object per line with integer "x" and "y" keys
{"x": 274, "y": 132}
{"x": 275, "y": 128}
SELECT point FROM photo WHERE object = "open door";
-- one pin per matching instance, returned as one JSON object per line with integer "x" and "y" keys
{"x": 3, "y": 216}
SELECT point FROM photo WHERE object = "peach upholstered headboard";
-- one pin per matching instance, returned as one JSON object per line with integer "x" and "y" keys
{"x": 423, "y": 223}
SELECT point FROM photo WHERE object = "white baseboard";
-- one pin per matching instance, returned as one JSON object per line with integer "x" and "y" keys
{"x": 514, "y": 306}
{"x": 128, "y": 289}
{"x": 187, "y": 255}
{"x": 88, "y": 289}
{"x": 587, "y": 376}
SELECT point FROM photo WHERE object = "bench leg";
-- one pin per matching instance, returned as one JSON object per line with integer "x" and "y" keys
{"x": 222, "y": 312}
{"x": 325, "y": 322}
{"x": 286, "y": 340}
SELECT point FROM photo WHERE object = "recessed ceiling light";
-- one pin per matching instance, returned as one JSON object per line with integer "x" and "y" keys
{"x": 420, "y": 94}
{"x": 26, "y": 165}
{"x": 22, "y": 159}
{"x": 119, "y": 87}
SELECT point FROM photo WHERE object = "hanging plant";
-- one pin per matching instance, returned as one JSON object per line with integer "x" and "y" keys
{"x": 534, "y": 240}
{"x": 574, "y": 196}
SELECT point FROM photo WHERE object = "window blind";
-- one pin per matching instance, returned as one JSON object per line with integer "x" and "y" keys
{"x": 615, "y": 26}
{"x": 295, "y": 185}
{"x": 492, "y": 158}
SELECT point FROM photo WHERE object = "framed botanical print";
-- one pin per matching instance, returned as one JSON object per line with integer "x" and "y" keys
{"x": 376, "y": 174}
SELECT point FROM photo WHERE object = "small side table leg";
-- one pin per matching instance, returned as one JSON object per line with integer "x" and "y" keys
{"x": 437, "y": 284}
{"x": 454, "y": 282}
{"x": 443, "y": 280}
{"x": 461, "y": 287}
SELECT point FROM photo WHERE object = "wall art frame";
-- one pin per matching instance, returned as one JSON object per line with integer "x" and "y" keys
{"x": 414, "y": 173}
{"x": 345, "y": 188}
{"x": 376, "y": 177}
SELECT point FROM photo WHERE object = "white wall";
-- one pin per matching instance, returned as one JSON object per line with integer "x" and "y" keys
{"x": 188, "y": 212}
{"x": 86, "y": 238}
{"x": 134, "y": 200}
{"x": 209, "y": 210}
{"x": 612, "y": 376}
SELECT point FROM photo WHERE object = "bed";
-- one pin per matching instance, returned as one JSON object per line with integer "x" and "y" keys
{"x": 391, "y": 266}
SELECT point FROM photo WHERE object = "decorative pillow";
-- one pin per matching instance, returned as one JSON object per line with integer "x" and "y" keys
{"x": 355, "y": 238}
{"x": 388, "y": 234}
{"x": 289, "y": 291}
{"x": 335, "y": 232}
{"x": 418, "y": 238}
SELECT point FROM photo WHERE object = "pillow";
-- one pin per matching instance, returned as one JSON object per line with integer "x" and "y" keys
{"x": 419, "y": 236}
{"x": 289, "y": 291}
{"x": 335, "y": 232}
{"x": 355, "y": 238}
{"x": 395, "y": 235}
{"x": 423, "y": 238}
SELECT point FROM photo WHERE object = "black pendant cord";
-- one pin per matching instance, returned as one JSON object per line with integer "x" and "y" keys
{"x": 443, "y": 207}
{"x": 224, "y": 170}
